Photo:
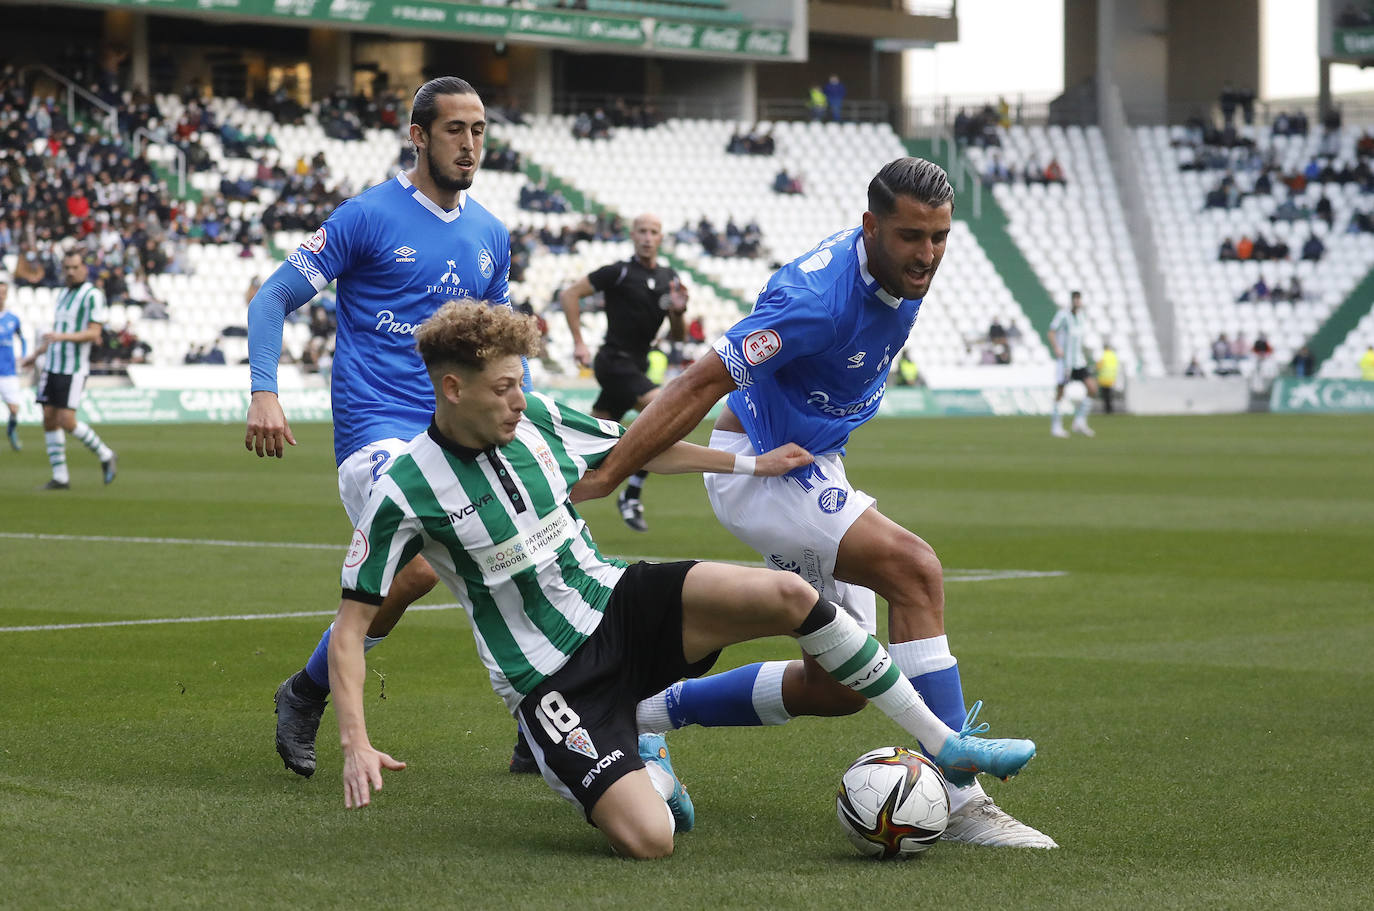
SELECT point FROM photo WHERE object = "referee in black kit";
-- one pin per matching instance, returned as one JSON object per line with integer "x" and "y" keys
{"x": 639, "y": 293}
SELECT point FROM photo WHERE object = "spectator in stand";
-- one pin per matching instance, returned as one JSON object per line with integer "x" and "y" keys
{"x": 1194, "y": 368}
{"x": 1108, "y": 371}
{"x": 1222, "y": 361}
{"x": 1313, "y": 248}
{"x": 1290, "y": 211}
{"x": 1303, "y": 363}
{"x": 816, "y": 103}
{"x": 835, "y": 91}
{"x": 787, "y": 184}
{"x": 1245, "y": 249}
{"x": 1261, "y": 349}
{"x": 1054, "y": 172}
{"x": 1367, "y": 364}
{"x": 1324, "y": 210}
{"x": 1227, "y": 252}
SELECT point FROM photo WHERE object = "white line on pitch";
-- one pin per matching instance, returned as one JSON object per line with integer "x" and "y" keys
{"x": 161, "y": 620}
{"x": 204, "y": 542}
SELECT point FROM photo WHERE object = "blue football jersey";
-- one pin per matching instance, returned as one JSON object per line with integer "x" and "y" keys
{"x": 9, "y": 338}
{"x": 398, "y": 257}
{"x": 811, "y": 360}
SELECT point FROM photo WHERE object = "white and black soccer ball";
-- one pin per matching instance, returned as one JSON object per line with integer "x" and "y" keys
{"x": 892, "y": 803}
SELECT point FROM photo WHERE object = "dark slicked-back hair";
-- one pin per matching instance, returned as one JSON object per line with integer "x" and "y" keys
{"x": 426, "y": 105}
{"x": 924, "y": 181}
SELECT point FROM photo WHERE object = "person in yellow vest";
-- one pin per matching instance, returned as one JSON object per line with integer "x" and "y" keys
{"x": 907, "y": 371}
{"x": 1108, "y": 369}
{"x": 658, "y": 366}
{"x": 1367, "y": 364}
{"x": 816, "y": 103}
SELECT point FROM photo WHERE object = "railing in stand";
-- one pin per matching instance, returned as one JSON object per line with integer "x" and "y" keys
{"x": 73, "y": 92}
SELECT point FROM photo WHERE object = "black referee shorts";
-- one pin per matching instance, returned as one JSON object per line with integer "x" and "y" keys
{"x": 623, "y": 379}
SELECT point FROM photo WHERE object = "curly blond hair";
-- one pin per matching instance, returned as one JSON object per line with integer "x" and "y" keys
{"x": 470, "y": 334}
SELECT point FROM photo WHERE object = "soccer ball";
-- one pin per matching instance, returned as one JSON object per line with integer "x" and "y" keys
{"x": 1075, "y": 391}
{"x": 892, "y": 803}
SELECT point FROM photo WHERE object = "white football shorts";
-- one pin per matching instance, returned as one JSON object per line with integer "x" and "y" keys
{"x": 795, "y": 526}
{"x": 360, "y": 471}
{"x": 9, "y": 390}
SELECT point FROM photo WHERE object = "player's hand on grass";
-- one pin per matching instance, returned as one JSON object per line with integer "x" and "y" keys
{"x": 780, "y": 461}
{"x": 268, "y": 431}
{"x": 582, "y": 354}
{"x": 362, "y": 774}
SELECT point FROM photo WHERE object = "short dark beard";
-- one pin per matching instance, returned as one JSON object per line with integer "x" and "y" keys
{"x": 447, "y": 184}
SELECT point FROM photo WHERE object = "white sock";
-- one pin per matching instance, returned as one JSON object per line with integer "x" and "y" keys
{"x": 57, "y": 454}
{"x": 664, "y": 785}
{"x": 1055, "y": 420}
{"x": 959, "y": 797}
{"x": 1081, "y": 416}
{"x": 371, "y": 642}
{"x": 651, "y": 715}
{"x": 92, "y": 441}
{"x": 922, "y": 656}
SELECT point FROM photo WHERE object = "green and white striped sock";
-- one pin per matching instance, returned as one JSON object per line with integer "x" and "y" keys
{"x": 57, "y": 455}
{"x": 92, "y": 441}
{"x": 859, "y": 661}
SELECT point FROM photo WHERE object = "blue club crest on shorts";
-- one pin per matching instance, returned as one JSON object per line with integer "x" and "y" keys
{"x": 832, "y": 499}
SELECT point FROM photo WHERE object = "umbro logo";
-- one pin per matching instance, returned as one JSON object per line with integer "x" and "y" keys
{"x": 857, "y": 360}
{"x": 405, "y": 254}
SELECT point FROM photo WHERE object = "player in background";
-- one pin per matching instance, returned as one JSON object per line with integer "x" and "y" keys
{"x": 639, "y": 293}
{"x": 1070, "y": 363}
{"x": 809, "y": 365}
{"x": 399, "y": 251}
{"x": 571, "y": 640}
{"x": 11, "y": 333}
{"x": 66, "y": 351}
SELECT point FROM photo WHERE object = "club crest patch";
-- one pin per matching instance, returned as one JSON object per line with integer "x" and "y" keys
{"x": 832, "y": 499}
{"x": 315, "y": 242}
{"x": 579, "y": 741}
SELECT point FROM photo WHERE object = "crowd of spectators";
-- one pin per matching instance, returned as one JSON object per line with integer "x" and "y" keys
{"x": 787, "y": 183}
{"x": 730, "y": 241}
{"x": 979, "y": 129}
{"x": 526, "y": 241}
{"x": 1261, "y": 291}
{"x": 1031, "y": 172}
{"x": 537, "y": 197}
{"x": 597, "y": 124}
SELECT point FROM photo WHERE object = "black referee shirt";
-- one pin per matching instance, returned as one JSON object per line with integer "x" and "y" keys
{"x": 637, "y": 300}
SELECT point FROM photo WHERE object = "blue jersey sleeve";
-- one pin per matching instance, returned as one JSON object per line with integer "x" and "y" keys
{"x": 330, "y": 251}
{"x": 788, "y": 323}
{"x": 284, "y": 291}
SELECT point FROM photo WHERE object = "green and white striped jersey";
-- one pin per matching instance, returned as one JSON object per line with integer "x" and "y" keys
{"x": 77, "y": 308}
{"x": 1067, "y": 329}
{"x": 498, "y": 528}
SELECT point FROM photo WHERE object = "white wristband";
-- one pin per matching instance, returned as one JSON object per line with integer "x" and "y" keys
{"x": 743, "y": 465}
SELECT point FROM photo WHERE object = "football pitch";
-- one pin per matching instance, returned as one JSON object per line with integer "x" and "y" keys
{"x": 1179, "y": 612}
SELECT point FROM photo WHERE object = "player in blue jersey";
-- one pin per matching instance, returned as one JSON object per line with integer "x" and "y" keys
{"x": 808, "y": 366}
{"x": 398, "y": 251}
{"x": 10, "y": 334}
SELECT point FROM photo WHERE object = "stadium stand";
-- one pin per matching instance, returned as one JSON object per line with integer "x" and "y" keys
{"x": 1215, "y": 297}
{"x": 1072, "y": 231}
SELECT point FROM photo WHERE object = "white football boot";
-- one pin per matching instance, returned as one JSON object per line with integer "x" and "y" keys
{"x": 982, "y": 822}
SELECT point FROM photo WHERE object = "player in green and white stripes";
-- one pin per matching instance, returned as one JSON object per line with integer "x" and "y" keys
{"x": 1071, "y": 363}
{"x": 571, "y": 640}
{"x": 66, "y": 357}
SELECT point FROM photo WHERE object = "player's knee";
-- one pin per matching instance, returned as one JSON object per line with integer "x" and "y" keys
{"x": 792, "y": 597}
{"x": 638, "y": 840}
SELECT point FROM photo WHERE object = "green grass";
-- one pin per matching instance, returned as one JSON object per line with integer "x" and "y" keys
{"x": 1199, "y": 684}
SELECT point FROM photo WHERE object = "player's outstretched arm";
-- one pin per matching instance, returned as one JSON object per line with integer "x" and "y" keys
{"x": 362, "y": 767}
{"x": 676, "y": 412}
{"x": 683, "y": 458}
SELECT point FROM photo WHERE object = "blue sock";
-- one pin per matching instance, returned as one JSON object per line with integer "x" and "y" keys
{"x": 944, "y": 695}
{"x": 721, "y": 700}
{"x": 317, "y": 668}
